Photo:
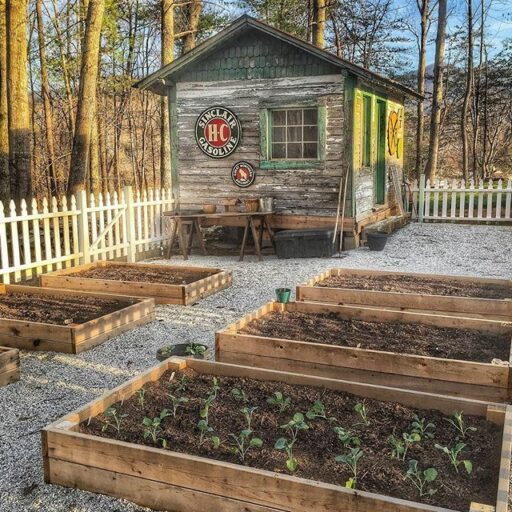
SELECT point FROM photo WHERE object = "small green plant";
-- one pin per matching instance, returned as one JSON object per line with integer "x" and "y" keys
{"x": 177, "y": 402}
{"x": 422, "y": 428}
{"x": 182, "y": 385}
{"x": 347, "y": 438}
{"x": 215, "y": 387}
{"x": 112, "y": 419}
{"x": 141, "y": 393}
{"x": 152, "y": 427}
{"x": 401, "y": 446}
{"x": 292, "y": 428}
{"x": 167, "y": 351}
{"x": 317, "y": 410}
{"x": 360, "y": 408}
{"x": 351, "y": 460}
{"x": 195, "y": 349}
{"x": 205, "y": 430}
{"x": 245, "y": 439}
{"x": 421, "y": 478}
{"x": 453, "y": 455}
{"x": 279, "y": 401}
{"x": 457, "y": 420}
{"x": 239, "y": 394}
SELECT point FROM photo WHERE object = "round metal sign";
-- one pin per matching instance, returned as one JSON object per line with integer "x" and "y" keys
{"x": 243, "y": 174}
{"x": 218, "y": 132}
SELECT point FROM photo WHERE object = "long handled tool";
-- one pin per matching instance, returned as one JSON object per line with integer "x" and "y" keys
{"x": 342, "y": 197}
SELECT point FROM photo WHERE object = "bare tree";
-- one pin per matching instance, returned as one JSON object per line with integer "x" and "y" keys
{"x": 194, "y": 14}
{"x": 467, "y": 93}
{"x": 319, "y": 15}
{"x": 5, "y": 187}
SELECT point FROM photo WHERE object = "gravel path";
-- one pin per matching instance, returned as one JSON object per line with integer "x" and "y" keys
{"x": 54, "y": 384}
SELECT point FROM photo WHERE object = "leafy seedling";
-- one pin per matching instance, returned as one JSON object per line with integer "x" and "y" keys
{"x": 347, "y": 438}
{"x": 351, "y": 459}
{"x": 152, "y": 427}
{"x": 112, "y": 419}
{"x": 317, "y": 410}
{"x": 453, "y": 455}
{"x": 292, "y": 428}
{"x": 177, "y": 402}
{"x": 401, "y": 446}
{"x": 457, "y": 420}
{"x": 239, "y": 394}
{"x": 215, "y": 387}
{"x": 141, "y": 393}
{"x": 422, "y": 428}
{"x": 195, "y": 349}
{"x": 421, "y": 478}
{"x": 182, "y": 385}
{"x": 245, "y": 440}
{"x": 279, "y": 401}
{"x": 360, "y": 408}
{"x": 206, "y": 434}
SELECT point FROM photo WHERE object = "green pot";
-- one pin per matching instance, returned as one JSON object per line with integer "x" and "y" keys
{"x": 283, "y": 295}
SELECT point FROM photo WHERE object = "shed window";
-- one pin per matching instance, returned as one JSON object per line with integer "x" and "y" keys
{"x": 367, "y": 131}
{"x": 294, "y": 134}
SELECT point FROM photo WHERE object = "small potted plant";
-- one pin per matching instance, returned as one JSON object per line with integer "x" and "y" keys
{"x": 195, "y": 350}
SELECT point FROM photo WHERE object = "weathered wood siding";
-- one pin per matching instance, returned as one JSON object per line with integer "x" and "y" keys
{"x": 205, "y": 180}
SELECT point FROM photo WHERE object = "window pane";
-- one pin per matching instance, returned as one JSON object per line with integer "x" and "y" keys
{"x": 278, "y": 134}
{"x": 279, "y": 117}
{"x": 310, "y": 133}
{"x": 311, "y": 150}
{"x": 310, "y": 116}
{"x": 294, "y": 117}
{"x": 278, "y": 151}
{"x": 294, "y": 151}
{"x": 294, "y": 134}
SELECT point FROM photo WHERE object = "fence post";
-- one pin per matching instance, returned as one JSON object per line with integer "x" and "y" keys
{"x": 421, "y": 198}
{"x": 130, "y": 224}
{"x": 83, "y": 227}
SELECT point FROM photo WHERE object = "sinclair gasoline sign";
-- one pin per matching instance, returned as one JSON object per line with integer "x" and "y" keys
{"x": 218, "y": 132}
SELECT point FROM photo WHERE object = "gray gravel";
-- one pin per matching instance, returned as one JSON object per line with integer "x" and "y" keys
{"x": 54, "y": 384}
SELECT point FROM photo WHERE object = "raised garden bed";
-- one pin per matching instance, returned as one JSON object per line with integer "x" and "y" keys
{"x": 66, "y": 321}
{"x": 408, "y": 291}
{"x": 86, "y": 450}
{"x": 164, "y": 283}
{"x": 440, "y": 354}
{"x": 9, "y": 365}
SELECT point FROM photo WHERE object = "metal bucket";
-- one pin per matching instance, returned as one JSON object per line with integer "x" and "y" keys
{"x": 266, "y": 204}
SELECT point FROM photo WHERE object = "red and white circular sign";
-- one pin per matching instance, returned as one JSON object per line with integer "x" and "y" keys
{"x": 218, "y": 132}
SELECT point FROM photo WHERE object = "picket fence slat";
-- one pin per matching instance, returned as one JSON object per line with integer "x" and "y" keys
{"x": 489, "y": 201}
{"x": 64, "y": 233}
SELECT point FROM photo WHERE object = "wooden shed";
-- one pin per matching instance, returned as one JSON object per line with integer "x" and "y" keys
{"x": 298, "y": 115}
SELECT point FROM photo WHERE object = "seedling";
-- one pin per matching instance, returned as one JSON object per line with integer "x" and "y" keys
{"x": 177, "y": 402}
{"x": 351, "y": 459}
{"x": 360, "y": 408}
{"x": 152, "y": 427}
{"x": 205, "y": 435}
{"x": 205, "y": 407}
{"x": 453, "y": 455}
{"x": 244, "y": 441}
{"x": 293, "y": 427}
{"x": 401, "y": 446}
{"x": 215, "y": 387}
{"x": 195, "y": 349}
{"x": 112, "y": 419}
{"x": 140, "y": 394}
{"x": 279, "y": 401}
{"x": 248, "y": 412}
{"x": 422, "y": 428}
{"x": 457, "y": 420}
{"x": 347, "y": 438}
{"x": 239, "y": 394}
{"x": 181, "y": 386}
{"x": 420, "y": 478}
{"x": 317, "y": 410}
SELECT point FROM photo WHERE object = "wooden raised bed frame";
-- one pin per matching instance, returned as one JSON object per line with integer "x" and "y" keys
{"x": 184, "y": 294}
{"x": 480, "y": 381}
{"x": 9, "y": 365}
{"x": 499, "y": 308}
{"x": 167, "y": 480}
{"x": 72, "y": 338}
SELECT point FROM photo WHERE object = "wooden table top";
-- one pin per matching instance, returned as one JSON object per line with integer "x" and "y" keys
{"x": 215, "y": 215}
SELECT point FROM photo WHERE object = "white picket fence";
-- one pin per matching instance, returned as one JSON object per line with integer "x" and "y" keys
{"x": 457, "y": 201}
{"x": 52, "y": 235}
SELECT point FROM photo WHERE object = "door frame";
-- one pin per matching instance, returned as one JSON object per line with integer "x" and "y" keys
{"x": 380, "y": 162}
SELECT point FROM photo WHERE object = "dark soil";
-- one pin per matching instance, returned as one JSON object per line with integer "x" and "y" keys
{"x": 317, "y": 447}
{"x": 402, "y": 283}
{"x": 143, "y": 274}
{"x": 421, "y": 340}
{"x": 56, "y": 309}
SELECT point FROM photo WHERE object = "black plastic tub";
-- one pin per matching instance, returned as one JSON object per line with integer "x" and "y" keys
{"x": 376, "y": 240}
{"x": 304, "y": 243}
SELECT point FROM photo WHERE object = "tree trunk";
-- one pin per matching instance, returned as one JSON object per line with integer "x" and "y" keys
{"x": 319, "y": 11}
{"x": 5, "y": 186}
{"x": 194, "y": 13}
{"x": 47, "y": 103}
{"x": 437, "y": 100}
{"x": 422, "y": 64}
{"x": 20, "y": 145}
{"x": 167, "y": 58}
{"x": 86, "y": 97}
{"x": 467, "y": 95}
